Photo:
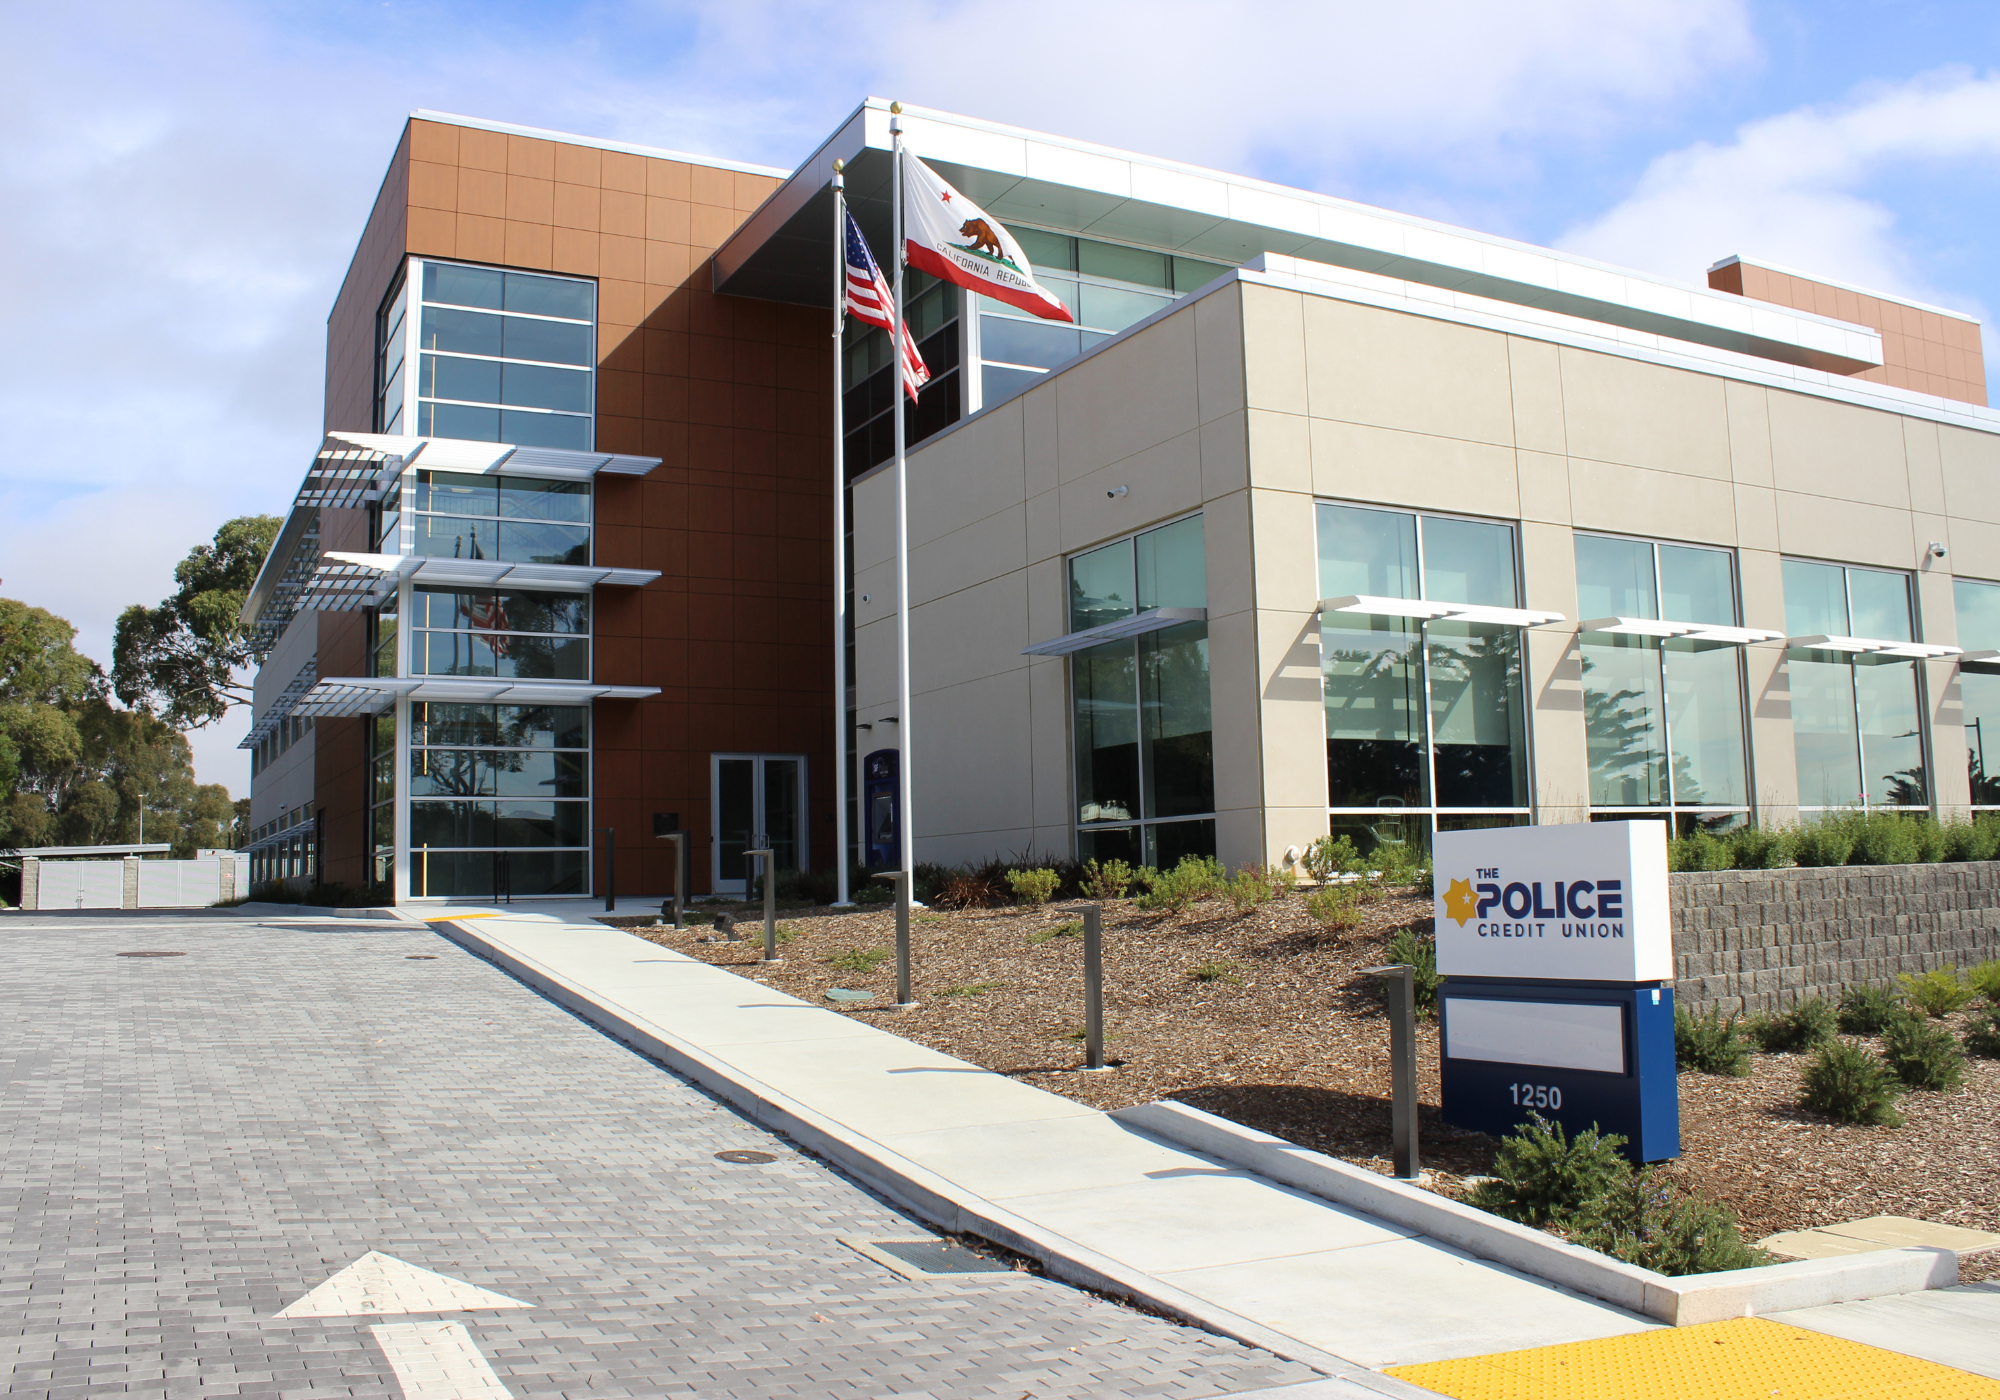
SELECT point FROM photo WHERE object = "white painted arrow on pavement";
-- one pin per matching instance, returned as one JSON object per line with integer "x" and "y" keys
{"x": 378, "y": 1283}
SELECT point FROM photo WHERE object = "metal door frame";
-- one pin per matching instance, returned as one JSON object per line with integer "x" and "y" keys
{"x": 715, "y": 760}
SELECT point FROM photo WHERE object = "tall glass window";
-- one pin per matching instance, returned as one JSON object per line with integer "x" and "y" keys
{"x": 1663, "y": 718}
{"x": 491, "y": 356}
{"x": 1424, "y": 720}
{"x": 499, "y": 800}
{"x": 469, "y": 632}
{"x": 1857, "y": 724}
{"x": 868, "y": 406}
{"x": 382, "y": 794}
{"x": 462, "y": 516}
{"x": 1978, "y": 608}
{"x": 1145, "y": 751}
{"x": 1106, "y": 286}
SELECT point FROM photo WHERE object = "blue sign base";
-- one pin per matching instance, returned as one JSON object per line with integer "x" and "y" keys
{"x": 1641, "y": 1102}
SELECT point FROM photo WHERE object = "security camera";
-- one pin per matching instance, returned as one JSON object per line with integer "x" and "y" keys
{"x": 1115, "y": 491}
{"x": 1937, "y": 549}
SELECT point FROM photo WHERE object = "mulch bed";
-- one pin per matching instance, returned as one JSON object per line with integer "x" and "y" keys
{"x": 1268, "y": 1020}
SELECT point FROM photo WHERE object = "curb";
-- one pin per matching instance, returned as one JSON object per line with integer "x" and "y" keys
{"x": 1679, "y": 1302}
{"x": 916, "y": 1189}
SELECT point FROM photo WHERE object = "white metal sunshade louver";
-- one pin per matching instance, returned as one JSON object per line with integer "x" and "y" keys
{"x": 1679, "y": 631}
{"x": 1151, "y": 620}
{"x": 1367, "y": 605}
{"x": 347, "y": 580}
{"x": 339, "y": 697}
{"x": 281, "y": 706}
{"x": 1874, "y": 648}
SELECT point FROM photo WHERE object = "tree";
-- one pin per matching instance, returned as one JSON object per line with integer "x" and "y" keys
{"x": 185, "y": 658}
{"x": 44, "y": 683}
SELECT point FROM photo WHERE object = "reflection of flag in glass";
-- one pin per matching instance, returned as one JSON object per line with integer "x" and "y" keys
{"x": 484, "y": 612}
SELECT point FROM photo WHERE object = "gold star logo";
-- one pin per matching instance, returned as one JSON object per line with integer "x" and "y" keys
{"x": 1459, "y": 901}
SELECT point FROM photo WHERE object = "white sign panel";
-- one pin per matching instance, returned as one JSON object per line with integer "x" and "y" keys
{"x": 1584, "y": 902}
{"x": 1559, "y": 1034}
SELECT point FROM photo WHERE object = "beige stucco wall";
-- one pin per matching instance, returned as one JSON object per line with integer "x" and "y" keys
{"x": 1257, "y": 399}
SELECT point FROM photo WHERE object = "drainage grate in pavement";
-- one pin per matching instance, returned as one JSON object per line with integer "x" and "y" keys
{"x": 742, "y": 1154}
{"x": 152, "y": 955}
{"x": 927, "y": 1257}
{"x": 420, "y": 957}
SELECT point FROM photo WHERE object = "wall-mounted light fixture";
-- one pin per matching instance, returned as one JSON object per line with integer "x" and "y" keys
{"x": 1117, "y": 491}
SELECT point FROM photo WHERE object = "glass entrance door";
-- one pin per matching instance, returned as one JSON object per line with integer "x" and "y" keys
{"x": 758, "y": 802}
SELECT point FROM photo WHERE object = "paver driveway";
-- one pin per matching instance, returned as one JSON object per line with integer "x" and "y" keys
{"x": 192, "y": 1143}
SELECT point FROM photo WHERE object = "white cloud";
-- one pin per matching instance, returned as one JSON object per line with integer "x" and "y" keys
{"x": 1798, "y": 188}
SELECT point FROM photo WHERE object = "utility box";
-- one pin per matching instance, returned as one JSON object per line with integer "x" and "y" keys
{"x": 1555, "y": 946}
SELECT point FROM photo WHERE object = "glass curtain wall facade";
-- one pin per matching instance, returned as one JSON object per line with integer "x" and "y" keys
{"x": 1106, "y": 286}
{"x": 1978, "y": 608}
{"x": 1663, "y": 718}
{"x": 1425, "y": 720}
{"x": 499, "y": 800}
{"x": 1857, "y": 725}
{"x": 463, "y": 632}
{"x": 489, "y": 356}
{"x": 457, "y": 515}
{"x": 1140, "y": 709}
{"x": 867, "y": 406}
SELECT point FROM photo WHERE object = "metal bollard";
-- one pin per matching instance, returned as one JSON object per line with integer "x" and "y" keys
{"x": 1402, "y": 989}
{"x": 904, "y": 1000}
{"x": 1093, "y": 986}
{"x": 610, "y": 869}
{"x": 770, "y": 906}
{"x": 678, "y": 904}
{"x": 725, "y": 924}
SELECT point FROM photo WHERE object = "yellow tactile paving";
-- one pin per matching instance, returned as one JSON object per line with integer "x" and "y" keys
{"x": 1742, "y": 1359}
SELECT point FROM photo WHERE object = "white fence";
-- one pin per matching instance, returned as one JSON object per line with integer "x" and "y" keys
{"x": 128, "y": 883}
{"x": 77, "y": 884}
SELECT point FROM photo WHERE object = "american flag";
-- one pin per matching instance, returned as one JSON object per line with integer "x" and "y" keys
{"x": 870, "y": 301}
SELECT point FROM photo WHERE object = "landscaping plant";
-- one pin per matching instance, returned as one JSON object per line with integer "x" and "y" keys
{"x": 1709, "y": 1043}
{"x": 1922, "y": 1054}
{"x": 1826, "y": 842}
{"x": 860, "y": 959}
{"x": 1329, "y": 856}
{"x": 1335, "y": 906}
{"x": 1865, "y": 1010}
{"x": 1648, "y": 1220}
{"x": 1033, "y": 886}
{"x": 1216, "y": 972}
{"x": 1107, "y": 880}
{"x": 1937, "y": 993}
{"x": 1759, "y": 848}
{"x": 1985, "y": 980}
{"x": 1420, "y": 951}
{"x": 1541, "y": 1176}
{"x": 1971, "y": 840}
{"x": 1848, "y": 1081}
{"x": 1881, "y": 838}
{"x": 1250, "y": 887}
{"x": 1982, "y": 1037}
{"x": 1807, "y": 1025}
{"x": 1195, "y": 878}
{"x": 1699, "y": 851}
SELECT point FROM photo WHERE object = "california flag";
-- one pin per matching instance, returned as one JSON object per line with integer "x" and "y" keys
{"x": 950, "y": 237}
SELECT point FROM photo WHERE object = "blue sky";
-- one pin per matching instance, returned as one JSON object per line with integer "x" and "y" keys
{"x": 184, "y": 180}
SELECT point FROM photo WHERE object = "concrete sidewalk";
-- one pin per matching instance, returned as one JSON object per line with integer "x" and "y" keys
{"x": 1106, "y": 1205}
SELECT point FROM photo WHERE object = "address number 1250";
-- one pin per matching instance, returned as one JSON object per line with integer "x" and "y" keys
{"x": 1536, "y": 1095}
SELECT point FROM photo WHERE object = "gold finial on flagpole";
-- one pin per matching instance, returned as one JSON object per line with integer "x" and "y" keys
{"x": 839, "y": 165}
{"x": 895, "y": 109}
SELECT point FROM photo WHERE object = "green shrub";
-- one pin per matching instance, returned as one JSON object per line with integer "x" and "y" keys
{"x": 1420, "y": 951}
{"x": 1847, "y": 1080}
{"x": 1216, "y": 972}
{"x": 1107, "y": 880}
{"x": 1809, "y": 1024}
{"x": 1968, "y": 841}
{"x": 873, "y": 892}
{"x": 1985, "y": 980}
{"x": 1033, "y": 886}
{"x": 1759, "y": 848}
{"x": 1399, "y": 865}
{"x": 1649, "y": 1221}
{"x": 1865, "y": 1010}
{"x": 1709, "y": 1043}
{"x": 1982, "y": 1036}
{"x": 1881, "y": 838}
{"x": 1923, "y": 1055}
{"x": 1335, "y": 906}
{"x": 1072, "y": 929}
{"x": 1826, "y": 842}
{"x": 1250, "y": 887}
{"x": 1541, "y": 1177}
{"x": 860, "y": 959}
{"x": 971, "y": 989}
{"x": 1330, "y": 855}
{"x": 1699, "y": 851}
{"x": 1938, "y": 992}
{"x": 1930, "y": 838}
{"x": 1195, "y": 878}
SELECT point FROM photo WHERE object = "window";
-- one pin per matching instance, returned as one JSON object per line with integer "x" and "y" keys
{"x": 462, "y": 516}
{"x": 489, "y": 355}
{"x": 1107, "y": 287}
{"x": 468, "y": 632}
{"x": 499, "y": 800}
{"x": 1424, "y": 719}
{"x": 1145, "y": 770}
{"x": 1663, "y": 719}
{"x": 1857, "y": 724}
{"x": 1978, "y": 607}
{"x": 868, "y": 407}
{"x": 759, "y": 804}
{"x": 382, "y": 795}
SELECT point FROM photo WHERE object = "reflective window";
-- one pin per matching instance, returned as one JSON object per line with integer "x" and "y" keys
{"x": 1857, "y": 723}
{"x": 1663, "y": 719}
{"x": 1422, "y": 718}
{"x": 499, "y": 797}
{"x": 867, "y": 405}
{"x": 463, "y": 632}
{"x": 458, "y": 515}
{"x": 491, "y": 356}
{"x": 1978, "y": 607}
{"x": 1143, "y": 736}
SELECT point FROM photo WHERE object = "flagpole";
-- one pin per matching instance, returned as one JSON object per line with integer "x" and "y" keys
{"x": 907, "y": 827}
{"x": 841, "y": 863}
